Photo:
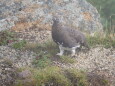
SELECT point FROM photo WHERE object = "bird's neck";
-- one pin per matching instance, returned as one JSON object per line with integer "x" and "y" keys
{"x": 55, "y": 24}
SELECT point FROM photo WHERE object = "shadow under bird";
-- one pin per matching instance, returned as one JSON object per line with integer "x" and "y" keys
{"x": 67, "y": 38}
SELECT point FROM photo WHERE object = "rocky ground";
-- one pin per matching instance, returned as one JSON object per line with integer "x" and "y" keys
{"x": 98, "y": 59}
{"x": 20, "y": 15}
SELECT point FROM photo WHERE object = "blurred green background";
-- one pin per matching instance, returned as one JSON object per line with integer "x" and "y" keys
{"x": 106, "y": 8}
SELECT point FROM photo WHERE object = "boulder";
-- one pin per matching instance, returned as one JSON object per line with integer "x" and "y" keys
{"x": 23, "y": 14}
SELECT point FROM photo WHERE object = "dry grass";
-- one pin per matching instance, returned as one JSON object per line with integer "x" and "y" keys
{"x": 106, "y": 41}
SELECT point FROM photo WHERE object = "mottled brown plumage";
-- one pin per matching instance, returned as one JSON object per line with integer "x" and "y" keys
{"x": 66, "y": 36}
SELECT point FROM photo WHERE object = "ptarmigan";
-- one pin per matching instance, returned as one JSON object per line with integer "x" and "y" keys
{"x": 67, "y": 38}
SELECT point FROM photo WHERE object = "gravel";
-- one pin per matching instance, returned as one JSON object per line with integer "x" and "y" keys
{"x": 98, "y": 60}
{"x": 8, "y": 73}
{"x": 35, "y": 35}
{"x": 19, "y": 58}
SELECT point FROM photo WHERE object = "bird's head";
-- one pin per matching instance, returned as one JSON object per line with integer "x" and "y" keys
{"x": 55, "y": 19}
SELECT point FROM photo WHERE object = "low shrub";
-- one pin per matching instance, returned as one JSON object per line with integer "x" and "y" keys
{"x": 51, "y": 76}
{"x": 42, "y": 60}
{"x": 7, "y": 37}
{"x": 19, "y": 45}
{"x": 78, "y": 78}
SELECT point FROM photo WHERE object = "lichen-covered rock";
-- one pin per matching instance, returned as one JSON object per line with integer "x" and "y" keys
{"x": 22, "y": 14}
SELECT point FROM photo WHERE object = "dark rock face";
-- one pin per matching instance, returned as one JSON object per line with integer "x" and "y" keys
{"x": 21, "y": 14}
{"x": 7, "y": 73}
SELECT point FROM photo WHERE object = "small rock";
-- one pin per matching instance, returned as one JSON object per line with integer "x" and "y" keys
{"x": 25, "y": 74}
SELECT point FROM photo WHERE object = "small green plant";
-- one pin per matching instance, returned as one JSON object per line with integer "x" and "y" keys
{"x": 19, "y": 45}
{"x": 19, "y": 83}
{"x": 42, "y": 60}
{"x": 22, "y": 82}
{"x": 78, "y": 78}
{"x": 7, "y": 37}
{"x": 50, "y": 47}
{"x": 105, "y": 82}
{"x": 67, "y": 59}
{"x": 51, "y": 76}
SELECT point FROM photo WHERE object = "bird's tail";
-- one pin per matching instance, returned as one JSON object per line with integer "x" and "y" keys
{"x": 86, "y": 45}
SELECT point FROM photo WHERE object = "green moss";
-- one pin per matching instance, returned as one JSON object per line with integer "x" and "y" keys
{"x": 51, "y": 75}
{"x": 78, "y": 78}
{"x": 58, "y": 77}
{"x": 7, "y": 37}
{"x": 105, "y": 82}
{"x": 19, "y": 83}
{"x": 19, "y": 45}
{"x": 42, "y": 60}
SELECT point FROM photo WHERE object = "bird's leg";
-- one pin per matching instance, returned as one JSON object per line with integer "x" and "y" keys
{"x": 73, "y": 52}
{"x": 61, "y": 50}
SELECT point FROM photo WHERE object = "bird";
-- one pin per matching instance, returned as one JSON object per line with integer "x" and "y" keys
{"x": 67, "y": 38}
